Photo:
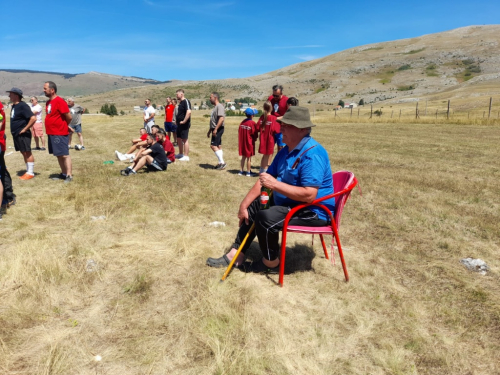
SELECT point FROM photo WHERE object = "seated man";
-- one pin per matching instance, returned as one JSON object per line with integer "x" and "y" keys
{"x": 154, "y": 158}
{"x": 300, "y": 173}
{"x": 137, "y": 144}
{"x": 167, "y": 145}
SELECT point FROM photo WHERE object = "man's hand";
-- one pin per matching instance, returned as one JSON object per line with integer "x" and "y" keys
{"x": 214, "y": 133}
{"x": 208, "y": 133}
{"x": 243, "y": 215}
{"x": 23, "y": 130}
{"x": 71, "y": 130}
{"x": 267, "y": 180}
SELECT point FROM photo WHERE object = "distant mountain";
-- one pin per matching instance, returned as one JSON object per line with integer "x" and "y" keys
{"x": 31, "y": 82}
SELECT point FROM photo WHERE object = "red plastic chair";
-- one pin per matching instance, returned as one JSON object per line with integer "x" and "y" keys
{"x": 343, "y": 183}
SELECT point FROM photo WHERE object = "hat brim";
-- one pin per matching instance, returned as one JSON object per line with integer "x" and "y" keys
{"x": 298, "y": 124}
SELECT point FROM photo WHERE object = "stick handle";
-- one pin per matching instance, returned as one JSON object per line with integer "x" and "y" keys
{"x": 228, "y": 269}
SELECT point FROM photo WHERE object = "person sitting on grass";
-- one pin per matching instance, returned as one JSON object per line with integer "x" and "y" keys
{"x": 154, "y": 158}
{"x": 167, "y": 145}
{"x": 247, "y": 134}
{"x": 137, "y": 144}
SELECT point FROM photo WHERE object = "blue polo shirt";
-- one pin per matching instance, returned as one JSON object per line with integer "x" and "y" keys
{"x": 311, "y": 170}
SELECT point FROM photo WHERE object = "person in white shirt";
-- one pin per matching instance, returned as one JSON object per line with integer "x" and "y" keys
{"x": 37, "y": 129}
{"x": 149, "y": 115}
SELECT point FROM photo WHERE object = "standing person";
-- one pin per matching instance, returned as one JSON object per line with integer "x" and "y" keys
{"x": 8, "y": 198}
{"x": 279, "y": 104}
{"x": 170, "y": 126}
{"x": 183, "y": 121}
{"x": 217, "y": 129}
{"x": 176, "y": 111}
{"x": 76, "y": 122}
{"x": 268, "y": 127}
{"x": 247, "y": 134}
{"x": 300, "y": 173}
{"x": 149, "y": 115}
{"x": 21, "y": 121}
{"x": 38, "y": 126}
{"x": 57, "y": 121}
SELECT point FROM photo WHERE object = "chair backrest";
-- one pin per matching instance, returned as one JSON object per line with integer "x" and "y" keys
{"x": 341, "y": 180}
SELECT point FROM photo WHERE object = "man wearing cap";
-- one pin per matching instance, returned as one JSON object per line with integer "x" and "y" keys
{"x": 21, "y": 121}
{"x": 57, "y": 121}
{"x": 300, "y": 173}
{"x": 76, "y": 122}
{"x": 217, "y": 129}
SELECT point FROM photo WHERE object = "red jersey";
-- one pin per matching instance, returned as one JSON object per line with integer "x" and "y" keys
{"x": 169, "y": 150}
{"x": 247, "y": 134}
{"x": 144, "y": 136}
{"x": 272, "y": 127}
{"x": 55, "y": 124}
{"x": 279, "y": 105}
{"x": 169, "y": 113}
{"x": 3, "y": 145}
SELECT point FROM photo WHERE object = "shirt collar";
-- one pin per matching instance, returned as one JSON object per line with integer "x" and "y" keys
{"x": 301, "y": 144}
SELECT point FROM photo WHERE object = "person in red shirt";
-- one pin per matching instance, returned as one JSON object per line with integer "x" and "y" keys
{"x": 279, "y": 103}
{"x": 267, "y": 127}
{"x": 170, "y": 126}
{"x": 247, "y": 134}
{"x": 57, "y": 128}
{"x": 8, "y": 197}
{"x": 167, "y": 146}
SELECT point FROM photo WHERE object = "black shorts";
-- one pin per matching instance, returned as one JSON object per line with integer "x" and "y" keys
{"x": 183, "y": 131}
{"x": 217, "y": 139}
{"x": 156, "y": 167}
{"x": 58, "y": 144}
{"x": 22, "y": 142}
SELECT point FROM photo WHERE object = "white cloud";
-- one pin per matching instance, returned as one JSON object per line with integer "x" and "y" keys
{"x": 306, "y": 57}
{"x": 297, "y": 47}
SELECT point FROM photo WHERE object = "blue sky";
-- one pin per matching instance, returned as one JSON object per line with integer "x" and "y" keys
{"x": 200, "y": 40}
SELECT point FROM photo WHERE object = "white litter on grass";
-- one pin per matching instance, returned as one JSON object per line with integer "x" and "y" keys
{"x": 97, "y": 218}
{"x": 10, "y": 153}
{"x": 476, "y": 265}
{"x": 217, "y": 224}
{"x": 97, "y": 358}
{"x": 91, "y": 266}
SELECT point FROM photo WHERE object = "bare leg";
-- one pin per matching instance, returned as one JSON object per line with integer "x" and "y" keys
{"x": 186, "y": 147}
{"x": 264, "y": 162}
{"x": 242, "y": 163}
{"x": 65, "y": 164}
{"x": 249, "y": 164}
{"x": 142, "y": 162}
{"x": 37, "y": 142}
{"x": 28, "y": 157}
{"x": 70, "y": 138}
{"x": 43, "y": 141}
{"x": 80, "y": 137}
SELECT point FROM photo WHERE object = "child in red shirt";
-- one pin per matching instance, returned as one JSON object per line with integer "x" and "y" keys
{"x": 247, "y": 134}
{"x": 268, "y": 127}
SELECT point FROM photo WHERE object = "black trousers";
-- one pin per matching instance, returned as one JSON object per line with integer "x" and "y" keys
{"x": 8, "y": 193}
{"x": 268, "y": 224}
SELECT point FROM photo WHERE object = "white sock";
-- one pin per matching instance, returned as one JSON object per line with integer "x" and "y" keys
{"x": 29, "y": 168}
{"x": 262, "y": 170}
{"x": 218, "y": 153}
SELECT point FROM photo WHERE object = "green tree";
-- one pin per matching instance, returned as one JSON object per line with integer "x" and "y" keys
{"x": 362, "y": 102}
{"x": 341, "y": 103}
{"x": 154, "y": 105}
{"x": 112, "y": 110}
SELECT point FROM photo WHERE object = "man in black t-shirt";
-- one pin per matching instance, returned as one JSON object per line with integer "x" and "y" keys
{"x": 21, "y": 121}
{"x": 183, "y": 121}
{"x": 154, "y": 158}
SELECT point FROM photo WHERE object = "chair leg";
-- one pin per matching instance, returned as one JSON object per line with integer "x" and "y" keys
{"x": 341, "y": 254}
{"x": 282, "y": 257}
{"x": 324, "y": 246}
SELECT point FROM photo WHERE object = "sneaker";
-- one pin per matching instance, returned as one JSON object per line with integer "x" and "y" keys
{"x": 179, "y": 156}
{"x": 27, "y": 176}
{"x": 222, "y": 166}
{"x": 120, "y": 156}
{"x": 68, "y": 179}
{"x": 82, "y": 148}
{"x": 11, "y": 202}
{"x": 251, "y": 174}
{"x": 175, "y": 144}
{"x": 43, "y": 149}
{"x": 217, "y": 166}
{"x": 124, "y": 172}
{"x": 70, "y": 147}
{"x": 0, "y": 216}
{"x": 37, "y": 148}
{"x": 223, "y": 261}
{"x": 259, "y": 267}
{"x": 59, "y": 177}
{"x": 184, "y": 158}
{"x": 241, "y": 173}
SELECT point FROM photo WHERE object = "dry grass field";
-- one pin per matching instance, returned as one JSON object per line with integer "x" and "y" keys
{"x": 134, "y": 288}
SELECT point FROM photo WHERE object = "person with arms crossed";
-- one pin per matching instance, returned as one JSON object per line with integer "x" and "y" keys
{"x": 149, "y": 115}
{"x": 279, "y": 105}
{"x": 300, "y": 173}
{"x": 183, "y": 122}
{"x": 57, "y": 120}
{"x": 38, "y": 126}
{"x": 76, "y": 122}
{"x": 21, "y": 121}
{"x": 217, "y": 129}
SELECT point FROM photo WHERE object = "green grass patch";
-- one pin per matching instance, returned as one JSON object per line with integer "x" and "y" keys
{"x": 385, "y": 76}
{"x": 406, "y": 88}
{"x": 431, "y": 70}
{"x": 404, "y": 67}
{"x": 414, "y": 51}
{"x": 373, "y": 49}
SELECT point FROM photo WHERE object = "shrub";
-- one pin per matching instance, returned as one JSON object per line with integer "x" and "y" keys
{"x": 404, "y": 67}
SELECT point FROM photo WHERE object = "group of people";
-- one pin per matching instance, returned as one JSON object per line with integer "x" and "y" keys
{"x": 26, "y": 122}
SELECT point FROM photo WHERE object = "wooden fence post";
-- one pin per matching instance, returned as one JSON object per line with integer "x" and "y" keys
{"x": 448, "y": 112}
{"x": 351, "y": 111}
{"x": 392, "y": 113}
{"x": 358, "y": 111}
{"x": 400, "y": 114}
{"x": 371, "y": 110}
{"x": 489, "y": 112}
{"x": 436, "y": 114}
{"x": 416, "y": 112}
{"x": 425, "y": 114}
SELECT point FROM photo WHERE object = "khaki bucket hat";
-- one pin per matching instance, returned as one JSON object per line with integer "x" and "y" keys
{"x": 298, "y": 117}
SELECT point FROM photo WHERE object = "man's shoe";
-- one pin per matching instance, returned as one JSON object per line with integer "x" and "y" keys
{"x": 223, "y": 261}
{"x": 259, "y": 267}
{"x": 68, "y": 179}
{"x": 82, "y": 148}
{"x": 241, "y": 173}
{"x": 175, "y": 144}
{"x": 222, "y": 166}
{"x": 37, "y": 148}
{"x": 70, "y": 147}
{"x": 184, "y": 158}
{"x": 178, "y": 156}
{"x": 27, "y": 176}
{"x": 42, "y": 149}
{"x": 11, "y": 202}
{"x": 217, "y": 166}
{"x": 124, "y": 172}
